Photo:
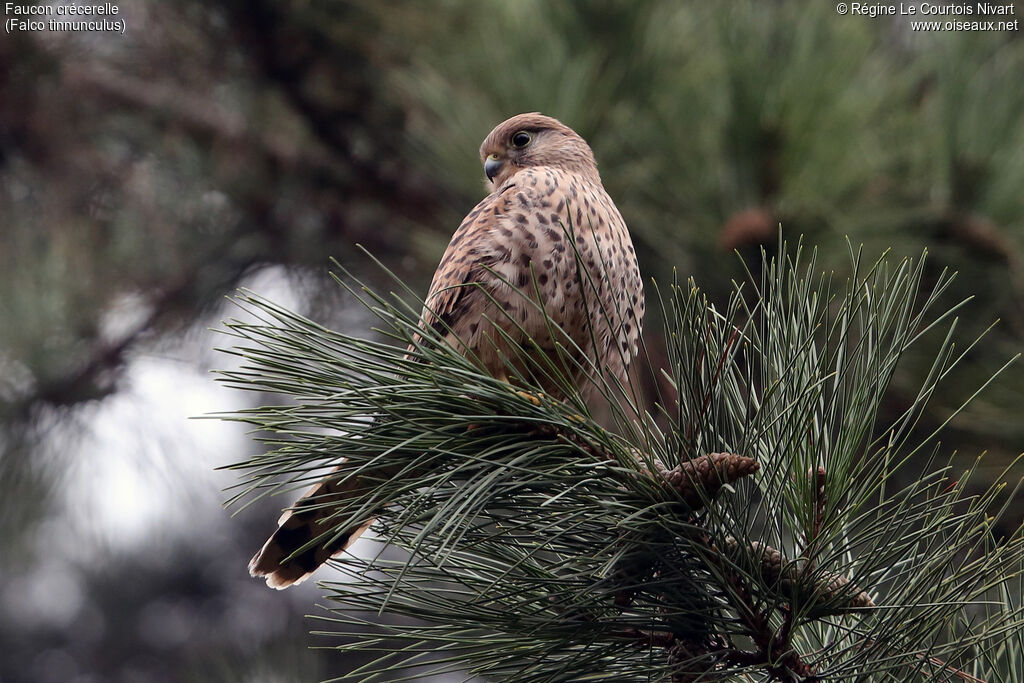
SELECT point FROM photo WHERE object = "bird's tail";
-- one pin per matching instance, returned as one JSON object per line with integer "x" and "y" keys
{"x": 303, "y": 540}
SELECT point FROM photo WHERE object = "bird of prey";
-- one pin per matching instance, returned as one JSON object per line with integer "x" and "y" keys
{"x": 546, "y": 245}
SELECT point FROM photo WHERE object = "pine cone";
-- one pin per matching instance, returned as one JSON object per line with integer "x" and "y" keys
{"x": 792, "y": 581}
{"x": 706, "y": 474}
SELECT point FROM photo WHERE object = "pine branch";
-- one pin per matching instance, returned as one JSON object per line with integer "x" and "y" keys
{"x": 760, "y": 526}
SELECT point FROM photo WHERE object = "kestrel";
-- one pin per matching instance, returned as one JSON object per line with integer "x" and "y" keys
{"x": 547, "y": 237}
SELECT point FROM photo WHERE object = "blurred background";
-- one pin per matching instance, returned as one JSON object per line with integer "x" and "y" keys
{"x": 144, "y": 177}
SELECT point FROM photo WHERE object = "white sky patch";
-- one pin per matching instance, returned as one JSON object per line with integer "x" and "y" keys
{"x": 144, "y": 467}
{"x": 142, "y": 462}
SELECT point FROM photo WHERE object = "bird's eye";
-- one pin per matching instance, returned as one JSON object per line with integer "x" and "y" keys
{"x": 521, "y": 139}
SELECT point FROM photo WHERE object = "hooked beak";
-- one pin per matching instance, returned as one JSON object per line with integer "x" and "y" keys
{"x": 492, "y": 166}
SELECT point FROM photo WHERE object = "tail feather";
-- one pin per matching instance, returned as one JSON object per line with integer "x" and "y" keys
{"x": 302, "y": 542}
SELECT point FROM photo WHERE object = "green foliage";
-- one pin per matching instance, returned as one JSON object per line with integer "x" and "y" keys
{"x": 543, "y": 546}
{"x": 142, "y": 177}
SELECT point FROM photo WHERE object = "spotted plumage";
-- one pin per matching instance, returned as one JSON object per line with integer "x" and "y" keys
{"x": 547, "y": 238}
{"x": 547, "y": 234}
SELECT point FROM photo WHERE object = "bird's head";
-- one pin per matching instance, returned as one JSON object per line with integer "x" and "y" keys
{"x": 530, "y": 140}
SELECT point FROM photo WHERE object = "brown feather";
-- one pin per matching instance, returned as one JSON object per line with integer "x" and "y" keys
{"x": 302, "y": 541}
{"x": 509, "y": 265}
